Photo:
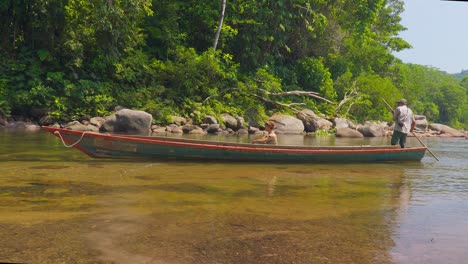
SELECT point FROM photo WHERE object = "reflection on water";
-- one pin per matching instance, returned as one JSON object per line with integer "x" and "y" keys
{"x": 432, "y": 229}
{"x": 59, "y": 206}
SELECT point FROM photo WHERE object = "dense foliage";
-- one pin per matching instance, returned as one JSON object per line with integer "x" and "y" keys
{"x": 76, "y": 58}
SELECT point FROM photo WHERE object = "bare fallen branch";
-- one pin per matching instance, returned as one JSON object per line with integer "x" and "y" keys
{"x": 267, "y": 100}
{"x": 290, "y": 106}
{"x": 350, "y": 94}
{"x": 299, "y": 93}
{"x": 349, "y": 108}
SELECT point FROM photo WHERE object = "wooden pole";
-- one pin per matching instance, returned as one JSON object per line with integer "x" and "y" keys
{"x": 389, "y": 106}
{"x": 433, "y": 155}
{"x": 414, "y": 134}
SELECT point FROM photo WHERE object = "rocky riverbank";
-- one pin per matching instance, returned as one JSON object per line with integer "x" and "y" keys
{"x": 306, "y": 121}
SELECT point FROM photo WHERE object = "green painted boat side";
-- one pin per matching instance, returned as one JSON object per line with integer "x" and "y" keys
{"x": 124, "y": 146}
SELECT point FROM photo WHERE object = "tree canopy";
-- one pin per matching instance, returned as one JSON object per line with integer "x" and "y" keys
{"x": 77, "y": 58}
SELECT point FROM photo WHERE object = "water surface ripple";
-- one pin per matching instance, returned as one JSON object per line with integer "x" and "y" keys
{"x": 59, "y": 206}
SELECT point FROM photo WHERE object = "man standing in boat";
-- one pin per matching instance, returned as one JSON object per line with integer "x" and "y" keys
{"x": 404, "y": 123}
{"x": 270, "y": 138}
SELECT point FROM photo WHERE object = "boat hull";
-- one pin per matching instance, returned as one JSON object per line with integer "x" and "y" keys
{"x": 123, "y": 146}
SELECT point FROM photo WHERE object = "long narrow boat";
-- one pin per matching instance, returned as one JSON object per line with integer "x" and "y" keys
{"x": 100, "y": 145}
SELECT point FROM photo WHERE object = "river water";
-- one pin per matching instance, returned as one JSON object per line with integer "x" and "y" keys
{"x": 59, "y": 206}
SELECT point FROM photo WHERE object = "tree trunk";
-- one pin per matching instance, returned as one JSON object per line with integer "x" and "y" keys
{"x": 220, "y": 25}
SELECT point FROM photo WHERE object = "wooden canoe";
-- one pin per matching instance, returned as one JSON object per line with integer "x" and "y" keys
{"x": 100, "y": 145}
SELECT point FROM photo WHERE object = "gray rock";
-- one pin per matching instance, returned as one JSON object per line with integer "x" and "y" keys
{"x": 16, "y": 125}
{"x": 286, "y": 124}
{"x": 97, "y": 121}
{"x": 307, "y": 117}
{"x": 159, "y": 130}
{"x": 421, "y": 122}
{"x": 119, "y": 107}
{"x": 230, "y": 122}
{"x": 348, "y": 133}
{"x": 240, "y": 121}
{"x": 213, "y": 128}
{"x": 243, "y": 131}
{"x": 192, "y": 129}
{"x": 322, "y": 124}
{"x": 77, "y": 126}
{"x": 312, "y": 122}
{"x": 109, "y": 123}
{"x": 343, "y": 122}
{"x": 372, "y": 129}
{"x": 446, "y": 130}
{"x": 197, "y": 130}
{"x": 174, "y": 129}
{"x": 178, "y": 120}
{"x": 210, "y": 120}
{"x": 128, "y": 121}
{"x": 254, "y": 130}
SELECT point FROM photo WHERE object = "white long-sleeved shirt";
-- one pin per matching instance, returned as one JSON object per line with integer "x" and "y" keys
{"x": 403, "y": 117}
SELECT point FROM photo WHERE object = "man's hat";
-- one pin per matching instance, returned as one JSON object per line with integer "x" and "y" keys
{"x": 403, "y": 101}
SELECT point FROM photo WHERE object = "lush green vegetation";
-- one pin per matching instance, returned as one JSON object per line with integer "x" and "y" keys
{"x": 78, "y": 58}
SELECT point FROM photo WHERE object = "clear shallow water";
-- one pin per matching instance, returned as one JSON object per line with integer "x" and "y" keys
{"x": 433, "y": 227}
{"x": 59, "y": 206}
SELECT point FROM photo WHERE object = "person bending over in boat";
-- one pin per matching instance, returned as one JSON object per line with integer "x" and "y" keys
{"x": 404, "y": 123}
{"x": 269, "y": 138}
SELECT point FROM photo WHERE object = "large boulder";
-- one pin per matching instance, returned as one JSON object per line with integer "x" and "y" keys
{"x": 372, "y": 129}
{"x": 192, "y": 129}
{"x": 445, "y": 130}
{"x": 240, "y": 121}
{"x": 178, "y": 120}
{"x": 347, "y": 132}
{"x": 254, "y": 130}
{"x": 230, "y": 122}
{"x": 343, "y": 122}
{"x": 173, "y": 128}
{"x": 210, "y": 120}
{"x": 322, "y": 124}
{"x": 22, "y": 126}
{"x": 421, "y": 122}
{"x": 77, "y": 126}
{"x": 159, "y": 130}
{"x": 307, "y": 117}
{"x": 243, "y": 131}
{"x": 128, "y": 121}
{"x": 286, "y": 124}
{"x": 312, "y": 122}
{"x": 97, "y": 121}
{"x": 213, "y": 128}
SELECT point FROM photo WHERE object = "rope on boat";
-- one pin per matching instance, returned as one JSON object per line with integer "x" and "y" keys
{"x": 63, "y": 141}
